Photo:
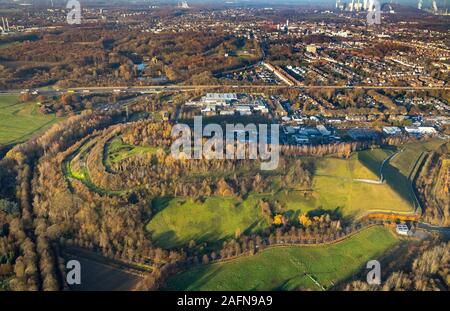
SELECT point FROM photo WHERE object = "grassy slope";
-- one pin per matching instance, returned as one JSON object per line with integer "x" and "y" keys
{"x": 373, "y": 159}
{"x": 20, "y": 121}
{"x": 334, "y": 186}
{"x": 75, "y": 167}
{"x": 284, "y": 268}
{"x": 117, "y": 151}
{"x": 8, "y": 45}
{"x": 402, "y": 166}
{"x": 217, "y": 218}
{"x": 406, "y": 160}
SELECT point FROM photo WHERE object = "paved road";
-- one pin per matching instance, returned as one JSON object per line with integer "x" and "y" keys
{"x": 156, "y": 88}
{"x": 445, "y": 231}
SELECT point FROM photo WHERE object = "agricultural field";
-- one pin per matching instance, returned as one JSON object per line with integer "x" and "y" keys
{"x": 97, "y": 276}
{"x": 20, "y": 121}
{"x": 315, "y": 268}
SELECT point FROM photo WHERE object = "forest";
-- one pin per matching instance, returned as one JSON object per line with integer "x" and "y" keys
{"x": 70, "y": 58}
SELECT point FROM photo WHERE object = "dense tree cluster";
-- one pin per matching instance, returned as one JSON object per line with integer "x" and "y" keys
{"x": 429, "y": 272}
{"x": 433, "y": 185}
{"x": 26, "y": 236}
{"x": 95, "y": 57}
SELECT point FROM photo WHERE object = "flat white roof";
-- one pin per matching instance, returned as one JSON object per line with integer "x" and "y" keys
{"x": 402, "y": 227}
{"x": 221, "y": 96}
{"x": 391, "y": 129}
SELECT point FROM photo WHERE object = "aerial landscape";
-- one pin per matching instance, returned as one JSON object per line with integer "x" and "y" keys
{"x": 224, "y": 146}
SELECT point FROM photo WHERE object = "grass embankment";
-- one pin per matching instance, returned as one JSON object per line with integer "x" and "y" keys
{"x": 8, "y": 45}
{"x": 290, "y": 268}
{"x": 405, "y": 162}
{"x": 403, "y": 167}
{"x": 20, "y": 121}
{"x": 75, "y": 167}
{"x": 117, "y": 150}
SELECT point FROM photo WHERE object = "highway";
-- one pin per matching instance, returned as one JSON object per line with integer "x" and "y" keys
{"x": 156, "y": 88}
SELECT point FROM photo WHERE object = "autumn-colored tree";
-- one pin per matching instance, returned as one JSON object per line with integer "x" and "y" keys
{"x": 25, "y": 97}
{"x": 205, "y": 259}
{"x": 223, "y": 188}
{"x": 304, "y": 220}
{"x": 278, "y": 220}
{"x": 237, "y": 233}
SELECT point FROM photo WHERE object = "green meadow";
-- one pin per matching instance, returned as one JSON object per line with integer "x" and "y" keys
{"x": 117, "y": 150}
{"x": 20, "y": 121}
{"x": 290, "y": 268}
{"x": 337, "y": 184}
{"x": 181, "y": 220}
{"x": 404, "y": 165}
{"x": 8, "y": 45}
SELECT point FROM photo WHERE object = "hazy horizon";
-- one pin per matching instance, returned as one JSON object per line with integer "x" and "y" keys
{"x": 226, "y": 2}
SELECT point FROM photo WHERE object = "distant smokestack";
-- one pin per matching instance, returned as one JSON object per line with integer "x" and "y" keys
{"x": 4, "y": 26}
{"x": 7, "y": 25}
{"x": 434, "y": 6}
{"x": 352, "y": 5}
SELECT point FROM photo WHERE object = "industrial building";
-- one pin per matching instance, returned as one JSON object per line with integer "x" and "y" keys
{"x": 402, "y": 230}
{"x": 228, "y": 104}
{"x": 392, "y": 130}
